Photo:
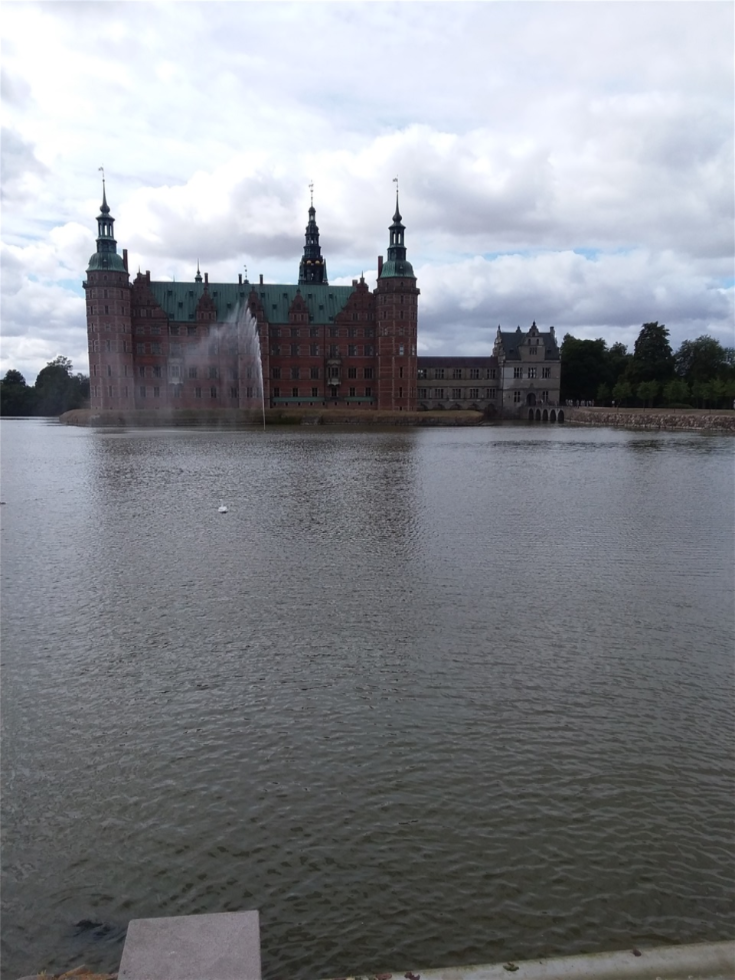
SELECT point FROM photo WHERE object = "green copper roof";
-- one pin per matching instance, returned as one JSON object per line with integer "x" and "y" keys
{"x": 179, "y": 299}
{"x": 400, "y": 269}
{"x": 109, "y": 261}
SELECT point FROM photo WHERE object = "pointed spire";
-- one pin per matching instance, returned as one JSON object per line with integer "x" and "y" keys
{"x": 312, "y": 268}
{"x": 397, "y": 265}
{"x": 106, "y": 256}
{"x": 198, "y": 276}
{"x": 104, "y": 209}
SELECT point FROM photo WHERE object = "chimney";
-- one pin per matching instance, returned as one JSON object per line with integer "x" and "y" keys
{"x": 261, "y": 278}
{"x": 206, "y": 277}
{"x": 125, "y": 259}
{"x": 147, "y": 275}
{"x": 239, "y": 278}
{"x": 380, "y": 265}
{"x": 354, "y": 282}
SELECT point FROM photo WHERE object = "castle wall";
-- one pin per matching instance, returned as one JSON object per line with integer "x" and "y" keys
{"x": 459, "y": 383}
{"x": 304, "y": 357}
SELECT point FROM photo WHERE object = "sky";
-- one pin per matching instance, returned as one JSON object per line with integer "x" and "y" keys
{"x": 568, "y": 163}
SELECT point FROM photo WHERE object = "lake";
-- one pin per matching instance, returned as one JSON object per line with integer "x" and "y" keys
{"x": 425, "y": 697}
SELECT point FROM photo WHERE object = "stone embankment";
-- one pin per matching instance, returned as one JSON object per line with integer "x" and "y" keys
{"x": 656, "y": 419}
{"x": 224, "y": 418}
{"x": 652, "y": 419}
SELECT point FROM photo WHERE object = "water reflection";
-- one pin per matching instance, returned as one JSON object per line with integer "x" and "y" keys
{"x": 423, "y": 697}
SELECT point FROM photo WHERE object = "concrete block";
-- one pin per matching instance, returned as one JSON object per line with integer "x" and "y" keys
{"x": 223, "y": 946}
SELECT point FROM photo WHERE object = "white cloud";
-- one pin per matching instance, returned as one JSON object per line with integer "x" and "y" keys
{"x": 570, "y": 163}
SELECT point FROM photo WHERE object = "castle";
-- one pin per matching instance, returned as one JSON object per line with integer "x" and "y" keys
{"x": 171, "y": 345}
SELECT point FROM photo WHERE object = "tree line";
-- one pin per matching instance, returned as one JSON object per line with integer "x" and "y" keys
{"x": 700, "y": 374}
{"x": 56, "y": 391}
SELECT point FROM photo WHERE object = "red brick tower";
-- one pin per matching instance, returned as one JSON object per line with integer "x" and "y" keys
{"x": 397, "y": 325}
{"x": 109, "y": 336}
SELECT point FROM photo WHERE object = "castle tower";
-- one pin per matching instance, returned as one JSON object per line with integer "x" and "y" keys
{"x": 397, "y": 324}
{"x": 109, "y": 334}
{"x": 312, "y": 268}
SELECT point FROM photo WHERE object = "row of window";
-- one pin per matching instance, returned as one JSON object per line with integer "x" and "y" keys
{"x": 177, "y": 329}
{"x": 110, "y": 346}
{"x": 176, "y": 349}
{"x": 178, "y": 390}
{"x": 334, "y": 350}
{"x": 149, "y": 312}
{"x": 458, "y": 394}
{"x": 472, "y": 374}
{"x": 174, "y": 371}
{"x": 106, "y": 310}
{"x": 333, "y": 372}
{"x": 531, "y": 372}
{"x": 119, "y": 326}
{"x": 192, "y": 329}
{"x": 315, "y": 393}
{"x": 315, "y": 331}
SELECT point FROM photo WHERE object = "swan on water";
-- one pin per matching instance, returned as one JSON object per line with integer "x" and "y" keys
{"x": 221, "y": 509}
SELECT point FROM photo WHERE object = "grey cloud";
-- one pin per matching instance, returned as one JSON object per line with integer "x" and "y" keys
{"x": 17, "y": 161}
{"x": 14, "y": 90}
{"x": 516, "y": 130}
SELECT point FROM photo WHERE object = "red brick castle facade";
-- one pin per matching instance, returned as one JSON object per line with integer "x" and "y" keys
{"x": 175, "y": 345}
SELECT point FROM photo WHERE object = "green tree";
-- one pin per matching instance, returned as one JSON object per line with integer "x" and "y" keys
{"x": 676, "y": 392}
{"x": 652, "y": 357}
{"x": 618, "y": 360}
{"x": 604, "y": 395}
{"x": 56, "y": 390}
{"x": 713, "y": 393}
{"x": 647, "y": 392}
{"x": 622, "y": 392}
{"x": 583, "y": 367}
{"x": 16, "y": 398}
{"x": 701, "y": 359}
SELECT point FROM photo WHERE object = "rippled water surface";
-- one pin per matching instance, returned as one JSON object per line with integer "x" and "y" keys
{"x": 423, "y": 698}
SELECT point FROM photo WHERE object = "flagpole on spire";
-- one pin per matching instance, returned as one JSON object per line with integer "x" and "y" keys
{"x": 105, "y": 208}
{"x": 311, "y": 192}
